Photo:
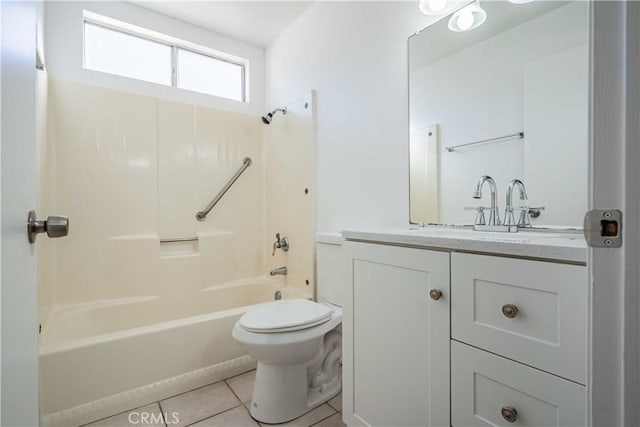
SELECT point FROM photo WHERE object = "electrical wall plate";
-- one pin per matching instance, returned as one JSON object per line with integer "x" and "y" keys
{"x": 603, "y": 228}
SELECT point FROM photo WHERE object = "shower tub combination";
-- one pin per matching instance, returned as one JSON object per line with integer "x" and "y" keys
{"x": 101, "y": 359}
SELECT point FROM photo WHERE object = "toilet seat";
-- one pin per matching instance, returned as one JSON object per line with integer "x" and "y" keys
{"x": 285, "y": 316}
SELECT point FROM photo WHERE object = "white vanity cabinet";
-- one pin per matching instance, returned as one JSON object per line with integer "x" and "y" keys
{"x": 396, "y": 353}
{"x": 500, "y": 341}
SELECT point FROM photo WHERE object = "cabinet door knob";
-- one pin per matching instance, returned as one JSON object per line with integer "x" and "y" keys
{"x": 509, "y": 414}
{"x": 510, "y": 310}
{"x": 435, "y": 294}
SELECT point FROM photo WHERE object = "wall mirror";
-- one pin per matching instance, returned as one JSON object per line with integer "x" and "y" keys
{"x": 508, "y": 99}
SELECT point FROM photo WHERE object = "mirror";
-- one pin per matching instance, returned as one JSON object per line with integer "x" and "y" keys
{"x": 508, "y": 99}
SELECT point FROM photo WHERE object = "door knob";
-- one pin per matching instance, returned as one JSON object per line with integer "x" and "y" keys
{"x": 435, "y": 294}
{"x": 54, "y": 226}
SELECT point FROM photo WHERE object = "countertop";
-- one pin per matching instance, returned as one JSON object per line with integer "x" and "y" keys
{"x": 547, "y": 245}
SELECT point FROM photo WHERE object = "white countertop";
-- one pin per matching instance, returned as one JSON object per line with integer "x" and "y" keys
{"x": 551, "y": 245}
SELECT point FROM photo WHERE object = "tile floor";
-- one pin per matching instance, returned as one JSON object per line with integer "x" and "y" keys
{"x": 222, "y": 404}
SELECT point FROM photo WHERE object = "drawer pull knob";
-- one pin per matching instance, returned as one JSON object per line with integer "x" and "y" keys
{"x": 510, "y": 310}
{"x": 509, "y": 414}
{"x": 435, "y": 294}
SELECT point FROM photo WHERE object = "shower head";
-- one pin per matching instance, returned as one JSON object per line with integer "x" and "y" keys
{"x": 266, "y": 119}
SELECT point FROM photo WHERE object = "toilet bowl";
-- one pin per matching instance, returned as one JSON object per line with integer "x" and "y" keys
{"x": 298, "y": 345}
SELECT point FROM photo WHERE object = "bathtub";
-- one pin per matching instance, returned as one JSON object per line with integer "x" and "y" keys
{"x": 108, "y": 357}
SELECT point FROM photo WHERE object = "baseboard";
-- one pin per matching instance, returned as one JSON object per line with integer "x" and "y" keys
{"x": 141, "y": 396}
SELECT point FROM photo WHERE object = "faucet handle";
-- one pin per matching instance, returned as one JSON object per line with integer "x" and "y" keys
{"x": 480, "y": 220}
{"x": 526, "y": 212}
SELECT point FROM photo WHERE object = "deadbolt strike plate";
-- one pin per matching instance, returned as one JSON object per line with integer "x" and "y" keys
{"x": 603, "y": 228}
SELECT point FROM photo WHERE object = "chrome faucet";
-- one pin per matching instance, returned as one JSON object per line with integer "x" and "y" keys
{"x": 494, "y": 215}
{"x": 280, "y": 243}
{"x": 280, "y": 271}
{"x": 509, "y": 218}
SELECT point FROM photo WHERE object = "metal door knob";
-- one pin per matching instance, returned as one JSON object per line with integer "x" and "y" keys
{"x": 509, "y": 414}
{"x": 510, "y": 310}
{"x": 435, "y": 294}
{"x": 54, "y": 226}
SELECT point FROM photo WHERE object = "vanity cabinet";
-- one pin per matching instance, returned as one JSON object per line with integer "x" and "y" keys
{"x": 439, "y": 338}
{"x": 396, "y": 333}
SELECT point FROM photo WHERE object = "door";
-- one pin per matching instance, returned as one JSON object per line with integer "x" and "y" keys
{"x": 19, "y": 364}
{"x": 396, "y": 330}
{"x": 614, "y": 176}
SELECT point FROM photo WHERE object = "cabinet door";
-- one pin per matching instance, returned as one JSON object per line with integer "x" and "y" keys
{"x": 488, "y": 390}
{"x": 396, "y": 337}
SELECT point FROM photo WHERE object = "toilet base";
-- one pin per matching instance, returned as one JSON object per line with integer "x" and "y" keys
{"x": 281, "y": 393}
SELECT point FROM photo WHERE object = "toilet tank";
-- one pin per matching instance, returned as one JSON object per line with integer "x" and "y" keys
{"x": 331, "y": 268}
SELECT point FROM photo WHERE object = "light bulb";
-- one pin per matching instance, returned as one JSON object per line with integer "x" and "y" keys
{"x": 437, "y": 5}
{"x": 432, "y": 7}
{"x": 465, "y": 20}
{"x": 468, "y": 18}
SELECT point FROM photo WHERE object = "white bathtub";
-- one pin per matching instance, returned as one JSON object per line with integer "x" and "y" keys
{"x": 104, "y": 358}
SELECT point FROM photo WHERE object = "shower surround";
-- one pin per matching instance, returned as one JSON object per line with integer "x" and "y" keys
{"x": 127, "y": 314}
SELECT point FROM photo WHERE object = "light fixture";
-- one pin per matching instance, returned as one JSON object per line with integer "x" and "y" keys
{"x": 520, "y": 1}
{"x": 432, "y": 7}
{"x": 468, "y": 18}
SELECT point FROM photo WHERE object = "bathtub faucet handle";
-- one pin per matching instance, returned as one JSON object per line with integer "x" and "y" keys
{"x": 280, "y": 243}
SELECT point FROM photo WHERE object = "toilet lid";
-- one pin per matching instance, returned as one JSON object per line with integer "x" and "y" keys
{"x": 285, "y": 315}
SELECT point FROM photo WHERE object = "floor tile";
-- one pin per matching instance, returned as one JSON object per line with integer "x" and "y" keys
{"x": 310, "y": 418}
{"x": 149, "y": 415}
{"x": 336, "y": 402}
{"x": 333, "y": 421}
{"x": 242, "y": 385}
{"x": 196, "y": 405}
{"x": 237, "y": 417}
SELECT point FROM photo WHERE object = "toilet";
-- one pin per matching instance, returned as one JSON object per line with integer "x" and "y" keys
{"x": 298, "y": 345}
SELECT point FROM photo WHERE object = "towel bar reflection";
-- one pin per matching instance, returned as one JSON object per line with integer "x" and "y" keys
{"x": 179, "y": 240}
{"x": 200, "y": 216}
{"x": 519, "y": 135}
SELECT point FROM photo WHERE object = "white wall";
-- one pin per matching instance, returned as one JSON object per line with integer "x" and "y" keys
{"x": 64, "y": 52}
{"x": 355, "y": 55}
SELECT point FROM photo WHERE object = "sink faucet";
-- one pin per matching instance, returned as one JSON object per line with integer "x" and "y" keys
{"x": 494, "y": 215}
{"x": 509, "y": 218}
{"x": 280, "y": 271}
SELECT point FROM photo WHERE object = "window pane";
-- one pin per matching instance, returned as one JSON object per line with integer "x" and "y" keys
{"x": 118, "y": 53}
{"x": 205, "y": 74}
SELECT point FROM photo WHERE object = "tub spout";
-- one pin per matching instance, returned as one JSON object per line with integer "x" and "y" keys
{"x": 281, "y": 271}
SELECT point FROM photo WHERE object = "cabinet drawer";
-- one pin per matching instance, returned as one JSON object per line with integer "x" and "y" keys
{"x": 483, "y": 385}
{"x": 530, "y": 311}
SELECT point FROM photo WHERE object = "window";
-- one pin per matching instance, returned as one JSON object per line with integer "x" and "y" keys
{"x": 115, "y": 47}
{"x": 195, "y": 73}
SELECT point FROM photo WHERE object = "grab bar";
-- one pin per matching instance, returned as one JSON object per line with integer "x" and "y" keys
{"x": 518, "y": 135}
{"x": 200, "y": 216}
{"x": 179, "y": 240}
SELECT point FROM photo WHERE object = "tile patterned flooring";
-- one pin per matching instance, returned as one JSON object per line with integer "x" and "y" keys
{"x": 222, "y": 404}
